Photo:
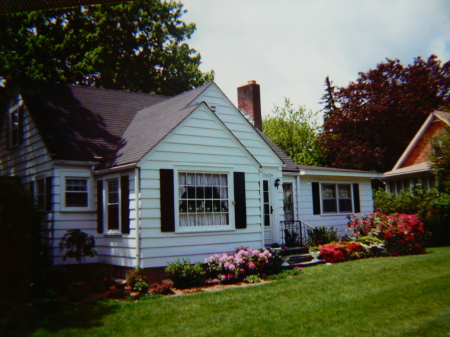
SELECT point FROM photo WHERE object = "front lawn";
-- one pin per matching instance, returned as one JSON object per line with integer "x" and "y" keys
{"x": 391, "y": 296}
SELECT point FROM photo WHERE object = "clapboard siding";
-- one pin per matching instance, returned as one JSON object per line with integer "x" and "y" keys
{"x": 338, "y": 221}
{"x": 239, "y": 126}
{"x": 201, "y": 143}
{"x": 28, "y": 159}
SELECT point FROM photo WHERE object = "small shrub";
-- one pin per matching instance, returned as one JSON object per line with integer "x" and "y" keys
{"x": 141, "y": 286}
{"x": 162, "y": 288}
{"x": 234, "y": 267}
{"x": 342, "y": 251}
{"x": 137, "y": 276}
{"x": 321, "y": 235}
{"x": 253, "y": 279}
{"x": 183, "y": 274}
{"x": 78, "y": 245}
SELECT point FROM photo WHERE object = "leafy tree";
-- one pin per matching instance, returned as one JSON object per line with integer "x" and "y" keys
{"x": 440, "y": 158}
{"x": 135, "y": 45}
{"x": 294, "y": 132}
{"x": 377, "y": 116}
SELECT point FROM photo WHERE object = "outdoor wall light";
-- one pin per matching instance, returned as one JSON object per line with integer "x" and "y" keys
{"x": 277, "y": 182}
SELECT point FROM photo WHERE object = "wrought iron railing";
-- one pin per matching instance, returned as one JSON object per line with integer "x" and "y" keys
{"x": 294, "y": 233}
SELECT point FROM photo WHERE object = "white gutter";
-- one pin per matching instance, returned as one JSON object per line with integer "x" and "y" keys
{"x": 117, "y": 168}
{"x": 75, "y": 163}
{"x": 137, "y": 192}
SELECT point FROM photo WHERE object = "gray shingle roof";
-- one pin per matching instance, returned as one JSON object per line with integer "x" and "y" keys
{"x": 113, "y": 127}
{"x": 82, "y": 123}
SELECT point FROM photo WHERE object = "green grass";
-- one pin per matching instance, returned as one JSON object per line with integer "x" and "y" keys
{"x": 401, "y": 296}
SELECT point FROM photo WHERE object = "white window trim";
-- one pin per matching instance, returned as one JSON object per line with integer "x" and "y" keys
{"x": 337, "y": 199}
{"x": 196, "y": 229}
{"x": 11, "y": 141}
{"x": 90, "y": 190}
{"x": 105, "y": 191}
{"x": 35, "y": 192}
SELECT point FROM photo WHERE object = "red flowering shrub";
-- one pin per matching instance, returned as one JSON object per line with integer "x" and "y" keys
{"x": 402, "y": 233}
{"x": 341, "y": 251}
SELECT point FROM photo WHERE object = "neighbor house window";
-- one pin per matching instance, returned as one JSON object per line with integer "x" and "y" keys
{"x": 337, "y": 198}
{"x": 203, "y": 199}
{"x": 15, "y": 127}
{"x": 76, "y": 192}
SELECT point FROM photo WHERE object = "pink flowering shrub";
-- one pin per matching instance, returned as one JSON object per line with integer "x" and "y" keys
{"x": 401, "y": 233}
{"x": 234, "y": 267}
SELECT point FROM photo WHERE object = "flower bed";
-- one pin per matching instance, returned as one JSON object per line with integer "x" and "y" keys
{"x": 401, "y": 233}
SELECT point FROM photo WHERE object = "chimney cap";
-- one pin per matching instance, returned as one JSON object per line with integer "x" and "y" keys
{"x": 252, "y": 82}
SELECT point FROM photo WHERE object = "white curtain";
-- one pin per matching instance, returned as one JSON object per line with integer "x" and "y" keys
{"x": 193, "y": 209}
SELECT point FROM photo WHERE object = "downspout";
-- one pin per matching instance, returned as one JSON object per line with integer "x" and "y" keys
{"x": 137, "y": 192}
{"x": 297, "y": 196}
{"x": 261, "y": 207}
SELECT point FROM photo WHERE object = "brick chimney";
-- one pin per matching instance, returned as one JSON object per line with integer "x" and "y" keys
{"x": 249, "y": 100}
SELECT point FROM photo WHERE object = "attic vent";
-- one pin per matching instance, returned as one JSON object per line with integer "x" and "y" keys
{"x": 213, "y": 108}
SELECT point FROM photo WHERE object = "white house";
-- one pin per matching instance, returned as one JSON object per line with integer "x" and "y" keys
{"x": 156, "y": 178}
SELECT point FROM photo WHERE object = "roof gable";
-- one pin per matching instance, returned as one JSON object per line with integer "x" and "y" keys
{"x": 288, "y": 164}
{"x": 420, "y": 147}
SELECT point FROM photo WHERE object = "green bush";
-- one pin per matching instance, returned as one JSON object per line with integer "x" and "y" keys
{"x": 432, "y": 207}
{"x": 321, "y": 235}
{"x": 136, "y": 277}
{"x": 183, "y": 274}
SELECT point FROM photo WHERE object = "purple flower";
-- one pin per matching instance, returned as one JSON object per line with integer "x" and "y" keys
{"x": 231, "y": 266}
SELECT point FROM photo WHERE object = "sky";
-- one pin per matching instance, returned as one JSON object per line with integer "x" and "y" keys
{"x": 290, "y": 46}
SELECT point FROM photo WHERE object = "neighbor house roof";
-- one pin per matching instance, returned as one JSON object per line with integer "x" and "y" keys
{"x": 415, "y": 157}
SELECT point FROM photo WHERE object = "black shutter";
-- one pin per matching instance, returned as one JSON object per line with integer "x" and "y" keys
{"x": 31, "y": 189}
{"x": 240, "y": 208}
{"x": 125, "y": 204}
{"x": 356, "y": 201}
{"x": 316, "y": 197}
{"x": 167, "y": 200}
{"x": 48, "y": 194}
{"x": 100, "y": 206}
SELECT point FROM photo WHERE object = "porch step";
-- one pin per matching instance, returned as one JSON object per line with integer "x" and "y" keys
{"x": 302, "y": 260}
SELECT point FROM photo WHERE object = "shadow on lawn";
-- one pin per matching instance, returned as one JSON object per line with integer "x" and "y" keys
{"x": 53, "y": 316}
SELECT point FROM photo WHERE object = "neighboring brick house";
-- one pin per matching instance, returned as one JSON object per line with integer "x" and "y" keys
{"x": 414, "y": 165}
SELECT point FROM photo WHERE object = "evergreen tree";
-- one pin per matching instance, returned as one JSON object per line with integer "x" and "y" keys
{"x": 328, "y": 98}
